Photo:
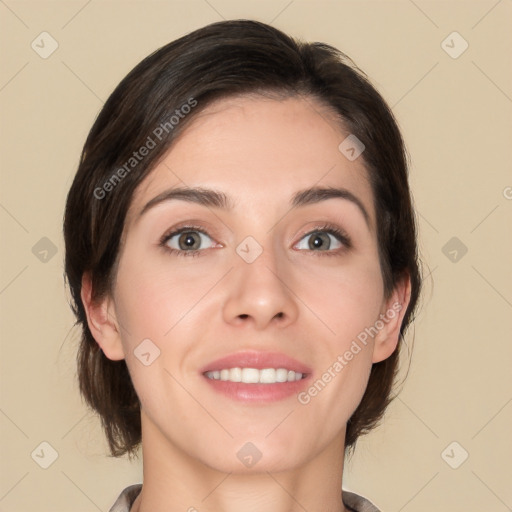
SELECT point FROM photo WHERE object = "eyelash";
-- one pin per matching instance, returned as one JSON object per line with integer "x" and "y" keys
{"x": 328, "y": 228}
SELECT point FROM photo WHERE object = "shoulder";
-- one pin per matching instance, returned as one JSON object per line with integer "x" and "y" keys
{"x": 126, "y": 498}
{"x": 358, "y": 503}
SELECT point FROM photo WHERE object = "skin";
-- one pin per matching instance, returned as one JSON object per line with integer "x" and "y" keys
{"x": 308, "y": 303}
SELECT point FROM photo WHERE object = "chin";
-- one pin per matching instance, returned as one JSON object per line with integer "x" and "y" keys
{"x": 254, "y": 456}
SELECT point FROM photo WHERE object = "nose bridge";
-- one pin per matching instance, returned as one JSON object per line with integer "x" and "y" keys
{"x": 258, "y": 288}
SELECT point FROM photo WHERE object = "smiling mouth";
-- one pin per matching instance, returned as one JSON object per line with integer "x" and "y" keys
{"x": 255, "y": 376}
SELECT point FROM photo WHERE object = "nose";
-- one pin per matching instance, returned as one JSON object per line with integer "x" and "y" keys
{"x": 260, "y": 293}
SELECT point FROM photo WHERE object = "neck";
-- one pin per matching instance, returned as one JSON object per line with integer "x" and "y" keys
{"x": 176, "y": 482}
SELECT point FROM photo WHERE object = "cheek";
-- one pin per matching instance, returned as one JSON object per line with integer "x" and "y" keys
{"x": 346, "y": 300}
{"x": 152, "y": 299}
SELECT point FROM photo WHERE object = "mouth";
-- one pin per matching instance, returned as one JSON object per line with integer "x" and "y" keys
{"x": 253, "y": 376}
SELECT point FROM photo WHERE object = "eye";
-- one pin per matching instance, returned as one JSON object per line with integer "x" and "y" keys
{"x": 185, "y": 241}
{"x": 190, "y": 240}
{"x": 323, "y": 238}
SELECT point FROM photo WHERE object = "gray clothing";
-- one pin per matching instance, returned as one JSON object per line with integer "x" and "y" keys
{"x": 351, "y": 500}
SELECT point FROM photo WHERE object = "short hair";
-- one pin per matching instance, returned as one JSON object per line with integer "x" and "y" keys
{"x": 222, "y": 60}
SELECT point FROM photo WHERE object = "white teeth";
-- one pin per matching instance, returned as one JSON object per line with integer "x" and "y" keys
{"x": 282, "y": 375}
{"x": 255, "y": 376}
{"x": 250, "y": 375}
{"x": 235, "y": 374}
{"x": 268, "y": 375}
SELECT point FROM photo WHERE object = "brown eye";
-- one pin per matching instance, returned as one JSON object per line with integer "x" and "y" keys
{"x": 186, "y": 240}
{"x": 189, "y": 240}
{"x": 319, "y": 241}
{"x": 323, "y": 240}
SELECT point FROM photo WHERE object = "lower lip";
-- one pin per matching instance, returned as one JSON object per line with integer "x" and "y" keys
{"x": 258, "y": 392}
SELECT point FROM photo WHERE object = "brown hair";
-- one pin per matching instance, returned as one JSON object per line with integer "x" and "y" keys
{"x": 220, "y": 60}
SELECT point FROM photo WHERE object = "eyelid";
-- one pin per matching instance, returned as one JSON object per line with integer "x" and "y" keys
{"x": 333, "y": 229}
{"x": 176, "y": 230}
{"x": 327, "y": 227}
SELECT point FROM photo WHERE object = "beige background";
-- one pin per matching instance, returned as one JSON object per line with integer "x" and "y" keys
{"x": 456, "y": 117}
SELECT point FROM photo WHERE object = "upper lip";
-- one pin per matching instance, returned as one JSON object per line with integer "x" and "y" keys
{"x": 257, "y": 359}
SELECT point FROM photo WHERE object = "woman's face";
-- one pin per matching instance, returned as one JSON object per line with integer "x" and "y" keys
{"x": 260, "y": 275}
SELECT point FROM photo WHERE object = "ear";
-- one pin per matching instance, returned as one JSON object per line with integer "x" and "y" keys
{"x": 102, "y": 321}
{"x": 392, "y": 315}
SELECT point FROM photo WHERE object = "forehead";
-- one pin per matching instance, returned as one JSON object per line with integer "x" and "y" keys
{"x": 260, "y": 149}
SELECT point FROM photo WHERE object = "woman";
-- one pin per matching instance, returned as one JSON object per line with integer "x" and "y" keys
{"x": 241, "y": 254}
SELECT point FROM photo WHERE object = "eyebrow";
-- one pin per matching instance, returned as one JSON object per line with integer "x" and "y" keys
{"x": 216, "y": 199}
